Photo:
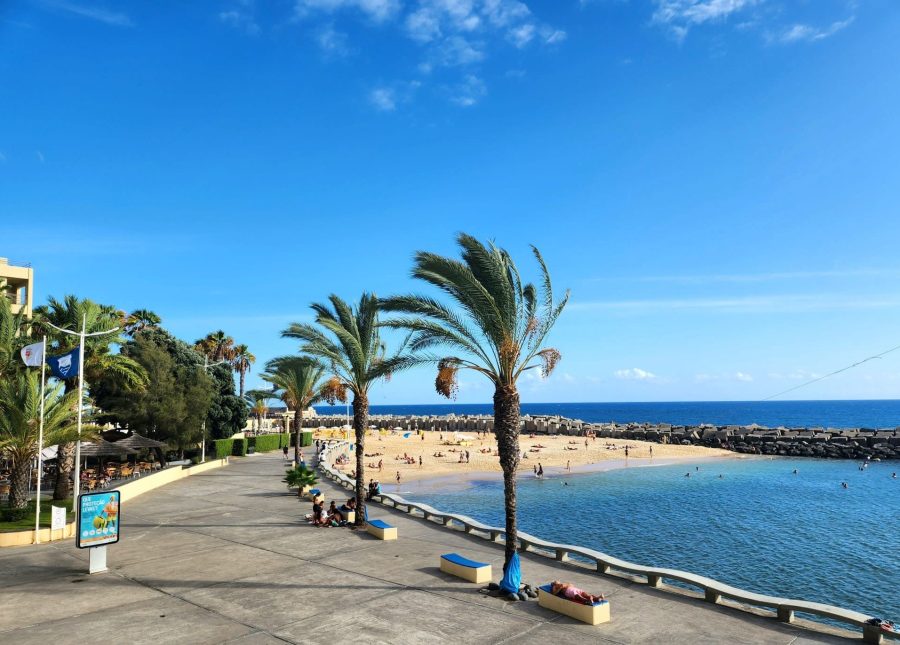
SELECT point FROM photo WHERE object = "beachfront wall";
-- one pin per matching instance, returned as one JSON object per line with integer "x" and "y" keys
{"x": 713, "y": 591}
{"x": 834, "y": 443}
{"x": 127, "y": 491}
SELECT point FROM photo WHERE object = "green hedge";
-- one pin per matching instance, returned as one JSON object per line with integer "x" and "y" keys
{"x": 306, "y": 438}
{"x": 239, "y": 447}
{"x": 223, "y": 448}
{"x": 266, "y": 442}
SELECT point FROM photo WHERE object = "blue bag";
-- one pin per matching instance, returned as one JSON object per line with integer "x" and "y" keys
{"x": 512, "y": 576}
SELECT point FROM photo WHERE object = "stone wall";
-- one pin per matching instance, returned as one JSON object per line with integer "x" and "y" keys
{"x": 836, "y": 443}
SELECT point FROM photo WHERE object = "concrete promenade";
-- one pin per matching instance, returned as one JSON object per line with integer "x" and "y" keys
{"x": 225, "y": 556}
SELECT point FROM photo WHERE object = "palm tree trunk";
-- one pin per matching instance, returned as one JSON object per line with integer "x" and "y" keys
{"x": 243, "y": 375}
{"x": 65, "y": 462}
{"x": 18, "y": 483}
{"x": 506, "y": 428}
{"x": 360, "y": 422}
{"x": 298, "y": 423}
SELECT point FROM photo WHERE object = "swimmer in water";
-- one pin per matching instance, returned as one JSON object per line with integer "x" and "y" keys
{"x": 795, "y": 471}
{"x": 844, "y": 485}
{"x": 687, "y": 474}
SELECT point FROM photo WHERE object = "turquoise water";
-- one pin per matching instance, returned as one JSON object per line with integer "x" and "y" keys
{"x": 759, "y": 527}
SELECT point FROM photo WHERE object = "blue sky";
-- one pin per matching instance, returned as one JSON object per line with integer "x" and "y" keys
{"x": 715, "y": 180}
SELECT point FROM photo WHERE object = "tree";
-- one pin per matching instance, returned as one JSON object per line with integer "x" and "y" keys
{"x": 139, "y": 320}
{"x": 347, "y": 339}
{"x": 296, "y": 380}
{"x": 20, "y": 405}
{"x": 13, "y": 336}
{"x": 217, "y": 345}
{"x": 499, "y": 333}
{"x": 241, "y": 360}
{"x": 172, "y": 406}
{"x": 228, "y": 412}
{"x": 99, "y": 359}
{"x": 256, "y": 405}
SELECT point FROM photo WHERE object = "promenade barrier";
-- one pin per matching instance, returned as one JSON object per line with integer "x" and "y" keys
{"x": 783, "y": 609}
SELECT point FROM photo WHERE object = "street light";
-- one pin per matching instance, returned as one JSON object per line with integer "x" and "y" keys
{"x": 206, "y": 366}
{"x": 81, "y": 335}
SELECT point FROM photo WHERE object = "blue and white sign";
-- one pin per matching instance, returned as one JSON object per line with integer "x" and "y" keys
{"x": 98, "y": 519}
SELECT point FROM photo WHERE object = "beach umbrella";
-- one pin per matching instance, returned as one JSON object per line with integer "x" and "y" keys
{"x": 102, "y": 448}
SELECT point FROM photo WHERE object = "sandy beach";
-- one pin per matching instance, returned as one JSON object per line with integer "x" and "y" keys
{"x": 440, "y": 454}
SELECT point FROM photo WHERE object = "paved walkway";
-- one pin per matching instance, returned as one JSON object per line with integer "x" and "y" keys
{"x": 225, "y": 557}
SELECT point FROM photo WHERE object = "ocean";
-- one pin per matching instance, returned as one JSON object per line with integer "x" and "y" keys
{"x": 759, "y": 527}
{"x": 834, "y": 414}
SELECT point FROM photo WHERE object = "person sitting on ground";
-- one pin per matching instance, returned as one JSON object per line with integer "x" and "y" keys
{"x": 571, "y": 592}
{"x": 335, "y": 514}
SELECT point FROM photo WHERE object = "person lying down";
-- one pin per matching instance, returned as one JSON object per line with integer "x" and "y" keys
{"x": 571, "y": 592}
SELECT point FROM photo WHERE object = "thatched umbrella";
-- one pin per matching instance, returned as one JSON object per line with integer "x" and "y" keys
{"x": 101, "y": 448}
{"x": 139, "y": 442}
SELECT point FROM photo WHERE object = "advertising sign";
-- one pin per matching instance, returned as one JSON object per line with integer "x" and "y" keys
{"x": 98, "y": 519}
{"x": 57, "y": 518}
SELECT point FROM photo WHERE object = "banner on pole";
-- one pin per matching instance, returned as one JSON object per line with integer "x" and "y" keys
{"x": 65, "y": 366}
{"x": 33, "y": 355}
{"x": 98, "y": 519}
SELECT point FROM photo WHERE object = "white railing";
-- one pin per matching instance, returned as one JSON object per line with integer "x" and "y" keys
{"x": 713, "y": 590}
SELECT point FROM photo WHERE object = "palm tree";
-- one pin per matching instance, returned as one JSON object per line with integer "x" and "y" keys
{"x": 139, "y": 320}
{"x": 296, "y": 380}
{"x": 13, "y": 335}
{"x": 217, "y": 345}
{"x": 301, "y": 477}
{"x": 498, "y": 333}
{"x": 348, "y": 340}
{"x": 20, "y": 403}
{"x": 99, "y": 360}
{"x": 241, "y": 360}
{"x": 256, "y": 403}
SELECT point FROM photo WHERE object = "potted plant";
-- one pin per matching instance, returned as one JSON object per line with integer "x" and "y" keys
{"x": 302, "y": 477}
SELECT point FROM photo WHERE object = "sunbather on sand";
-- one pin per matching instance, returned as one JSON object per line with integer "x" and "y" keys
{"x": 571, "y": 592}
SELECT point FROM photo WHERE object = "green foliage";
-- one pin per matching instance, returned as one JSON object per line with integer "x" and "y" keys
{"x": 13, "y": 336}
{"x": 266, "y": 442}
{"x": 306, "y": 439}
{"x": 239, "y": 447}
{"x": 300, "y": 476}
{"x": 172, "y": 405}
{"x": 223, "y": 448}
{"x": 228, "y": 412}
{"x": 15, "y": 514}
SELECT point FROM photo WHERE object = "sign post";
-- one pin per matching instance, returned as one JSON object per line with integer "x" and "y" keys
{"x": 97, "y": 525}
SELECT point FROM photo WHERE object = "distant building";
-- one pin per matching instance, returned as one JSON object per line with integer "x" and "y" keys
{"x": 19, "y": 286}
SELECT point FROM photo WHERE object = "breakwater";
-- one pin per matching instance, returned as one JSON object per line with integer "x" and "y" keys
{"x": 820, "y": 442}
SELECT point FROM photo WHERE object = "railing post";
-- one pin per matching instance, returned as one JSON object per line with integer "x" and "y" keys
{"x": 602, "y": 567}
{"x": 562, "y": 555}
{"x": 873, "y": 634}
{"x": 786, "y": 614}
{"x": 654, "y": 581}
{"x": 712, "y": 596}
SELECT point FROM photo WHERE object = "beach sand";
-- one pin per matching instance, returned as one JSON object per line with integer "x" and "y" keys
{"x": 557, "y": 453}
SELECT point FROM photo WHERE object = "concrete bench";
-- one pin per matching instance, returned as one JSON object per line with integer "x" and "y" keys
{"x": 590, "y": 614}
{"x": 461, "y": 567}
{"x": 314, "y": 493}
{"x": 381, "y": 530}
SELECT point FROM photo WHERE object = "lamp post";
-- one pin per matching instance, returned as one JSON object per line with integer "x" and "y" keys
{"x": 81, "y": 335}
{"x": 206, "y": 366}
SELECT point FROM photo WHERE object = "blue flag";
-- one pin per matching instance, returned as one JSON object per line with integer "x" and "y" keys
{"x": 65, "y": 366}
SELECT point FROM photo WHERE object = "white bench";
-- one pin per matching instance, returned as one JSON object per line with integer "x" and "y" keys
{"x": 381, "y": 530}
{"x": 590, "y": 614}
{"x": 461, "y": 567}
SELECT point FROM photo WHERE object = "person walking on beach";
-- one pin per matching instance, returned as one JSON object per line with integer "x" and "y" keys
{"x": 651, "y": 452}
{"x": 568, "y": 465}
{"x": 626, "y": 452}
{"x": 398, "y": 478}
{"x": 285, "y": 451}
{"x": 540, "y": 471}
{"x": 420, "y": 461}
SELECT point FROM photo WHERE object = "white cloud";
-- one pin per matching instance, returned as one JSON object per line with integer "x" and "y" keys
{"x": 377, "y": 10}
{"x": 520, "y": 36}
{"x": 743, "y": 376}
{"x": 332, "y": 42}
{"x": 456, "y": 50}
{"x": 39, "y": 155}
{"x": 634, "y": 374}
{"x": 807, "y": 33}
{"x": 796, "y": 375}
{"x": 241, "y": 18}
{"x": 469, "y": 92}
{"x": 552, "y": 36}
{"x": 384, "y": 99}
{"x": 680, "y": 15}
{"x": 114, "y": 18}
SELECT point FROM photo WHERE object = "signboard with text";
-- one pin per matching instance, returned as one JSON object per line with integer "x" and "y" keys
{"x": 98, "y": 519}
{"x": 57, "y": 518}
